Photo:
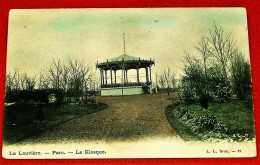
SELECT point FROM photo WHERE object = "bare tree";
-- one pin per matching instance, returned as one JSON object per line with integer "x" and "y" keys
{"x": 173, "y": 82}
{"x": 161, "y": 81}
{"x": 80, "y": 77}
{"x": 64, "y": 80}
{"x": 44, "y": 81}
{"x": 72, "y": 77}
{"x": 27, "y": 83}
{"x": 55, "y": 72}
{"x": 12, "y": 80}
{"x": 223, "y": 47}
{"x": 167, "y": 79}
{"x": 16, "y": 81}
{"x": 204, "y": 49}
{"x": 93, "y": 83}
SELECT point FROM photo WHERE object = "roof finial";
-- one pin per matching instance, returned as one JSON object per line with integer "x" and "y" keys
{"x": 124, "y": 41}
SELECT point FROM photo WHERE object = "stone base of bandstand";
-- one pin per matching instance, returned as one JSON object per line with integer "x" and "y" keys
{"x": 116, "y": 91}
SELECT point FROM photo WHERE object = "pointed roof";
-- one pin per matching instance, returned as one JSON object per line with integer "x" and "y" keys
{"x": 131, "y": 61}
{"x": 123, "y": 56}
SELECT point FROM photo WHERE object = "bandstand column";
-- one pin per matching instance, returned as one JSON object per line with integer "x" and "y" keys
{"x": 106, "y": 76}
{"x": 126, "y": 76}
{"x": 111, "y": 76}
{"x": 123, "y": 73}
{"x": 115, "y": 75}
{"x": 123, "y": 76}
{"x": 146, "y": 73}
{"x": 138, "y": 81}
{"x": 150, "y": 69}
{"x": 101, "y": 76}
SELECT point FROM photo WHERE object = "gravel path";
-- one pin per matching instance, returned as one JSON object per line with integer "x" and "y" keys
{"x": 131, "y": 117}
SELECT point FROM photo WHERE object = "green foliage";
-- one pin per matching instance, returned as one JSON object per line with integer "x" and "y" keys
{"x": 188, "y": 93}
{"x": 35, "y": 95}
{"x": 23, "y": 120}
{"x": 22, "y": 113}
{"x": 52, "y": 98}
{"x": 204, "y": 100}
{"x": 241, "y": 77}
{"x": 146, "y": 89}
{"x": 195, "y": 85}
{"x": 232, "y": 121}
{"x": 215, "y": 77}
{"x": 218, "y": 84}
{"x": 219, "y": 70}
{"x": 193, "y": 82}
{"x": 90, "y": 101}
{"x": 197, "y": 88}
{"x": 193, "y": 74}
{"x": 223, "y": 93}
{"x": 207, "y": 122}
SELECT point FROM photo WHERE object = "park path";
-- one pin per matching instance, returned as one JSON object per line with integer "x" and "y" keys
{"x": 130, "y": 117}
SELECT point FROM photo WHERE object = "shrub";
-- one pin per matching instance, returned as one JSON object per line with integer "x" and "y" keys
{"x": 146, "y": 89}
{"x": 194, "y": 84}
{"x": 182, "y": 112}
{"x": 190, "y": 115}
{"x": 223, "y": 93}
{"x": 207, "y": 122}
{"x": 221, "y": 128}
{"x": 204, "y": 100}
{"x": 22, "y": 113}
{"x": 175, "y": 103}
{"x": 239, "y": 137}
{"x": 59, "y": 95}
{"x": 188, "y": 93}
{"x": 90, "y": 101}
{"x": 52, "y": 98}
{"x": 241, "y": 77}
{"x": 35, "y": 95}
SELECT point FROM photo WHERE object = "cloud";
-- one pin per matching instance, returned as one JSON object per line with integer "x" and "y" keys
{"x": 96, "y": 34}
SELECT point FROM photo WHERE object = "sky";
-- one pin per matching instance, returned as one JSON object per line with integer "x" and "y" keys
{"x": 37, "y": 36}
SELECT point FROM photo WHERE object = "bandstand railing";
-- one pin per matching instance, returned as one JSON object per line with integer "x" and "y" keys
{"x": 125, "y": 84}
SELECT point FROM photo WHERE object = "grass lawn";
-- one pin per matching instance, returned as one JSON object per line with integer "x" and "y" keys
{"x": 237, "y": 115}
{"x": 51, "y": 116}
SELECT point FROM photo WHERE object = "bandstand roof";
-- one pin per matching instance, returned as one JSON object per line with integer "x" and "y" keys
{"x": 121, "y": 57}
{"x": 129, "y": 62}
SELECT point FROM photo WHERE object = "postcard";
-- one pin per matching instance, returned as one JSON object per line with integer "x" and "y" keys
{"x": 128, "y": 83}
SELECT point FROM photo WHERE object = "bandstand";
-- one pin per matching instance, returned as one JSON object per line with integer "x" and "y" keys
{"x": 123, "y": 64}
